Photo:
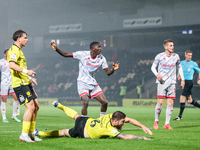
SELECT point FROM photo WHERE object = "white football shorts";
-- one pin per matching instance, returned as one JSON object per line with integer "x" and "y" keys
{"x": 6, "y": 90}
{"x": 88, "y": 89}
{"x": 166, "y": 92}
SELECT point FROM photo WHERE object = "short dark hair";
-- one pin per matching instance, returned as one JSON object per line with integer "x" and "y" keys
{"x": 17, "y": 34}
{"x": 118, "y": 115}
{"x": 93, "y": 43}
{"x": 6, "y": 51}
{"x": 166, "y": 41}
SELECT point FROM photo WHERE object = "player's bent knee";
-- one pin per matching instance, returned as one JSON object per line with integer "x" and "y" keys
{"x": 33, "y": 109}
{"x": 85, "y": 102}
{"x": 76, "y": 116}
{"x": 160, "y": 101}
{"x": 37, "y": 108}
{"x": 170, "y": 102}
{"x": 64, "y": 132}
{"x": 105, "y": 103}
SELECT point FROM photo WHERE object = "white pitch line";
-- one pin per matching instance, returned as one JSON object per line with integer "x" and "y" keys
{"x": 122, "y": 130}
{"x": 41, "y": 125}
{"x": 9, "y": 131}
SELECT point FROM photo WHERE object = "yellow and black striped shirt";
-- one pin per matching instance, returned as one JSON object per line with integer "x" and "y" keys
{"x": 15, "y": 54}
{"x": 101, "y": 127}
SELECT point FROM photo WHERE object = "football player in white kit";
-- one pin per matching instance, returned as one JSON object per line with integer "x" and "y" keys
{"x": 89, "y": 64}
{"x": 166, "y": 79}
{"x": 6, "y": 89}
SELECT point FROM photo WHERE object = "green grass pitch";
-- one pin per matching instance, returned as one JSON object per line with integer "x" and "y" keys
{"x": 186, "y": 133}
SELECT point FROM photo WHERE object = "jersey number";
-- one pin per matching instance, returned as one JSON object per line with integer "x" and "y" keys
{"x": 93, "y": 123}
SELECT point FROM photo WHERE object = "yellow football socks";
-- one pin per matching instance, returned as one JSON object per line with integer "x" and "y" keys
{"x": 70, "y": 112}
{"x": 55, "y": 133}
{"x": 32, "y": 127}
{"x": 26, "y": 126}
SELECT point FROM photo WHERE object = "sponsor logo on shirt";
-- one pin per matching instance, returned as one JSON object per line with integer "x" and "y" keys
{"x": 5, "y": 68}
{"x": 14, "y": 55}
{"x": 91, "y": 65}
{"x": 167, "y": 67}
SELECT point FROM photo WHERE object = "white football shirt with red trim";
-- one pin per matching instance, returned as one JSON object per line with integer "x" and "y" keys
{"x": 88, "y": 66}
{"x": 167, "y": 66}
{"x": 5, "y": 72}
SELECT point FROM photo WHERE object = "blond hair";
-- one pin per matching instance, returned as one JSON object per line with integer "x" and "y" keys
{"x": 188, "y": 51}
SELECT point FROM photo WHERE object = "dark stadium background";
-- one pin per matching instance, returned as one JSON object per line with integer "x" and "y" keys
{"x": 135, "y": 47}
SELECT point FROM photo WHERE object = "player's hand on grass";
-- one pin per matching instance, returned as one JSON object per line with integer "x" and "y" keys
{"x": 116, "y": 66}
{"x": 145, "y": 138}
{"x": 146, "y": 130}
{"x": 53, "y": 45}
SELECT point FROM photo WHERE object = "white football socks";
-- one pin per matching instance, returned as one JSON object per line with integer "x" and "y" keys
{"x": 168, "y": 114}
{"x": 102, "y": 114}
{"x": 158, "y": 109}
{"x": 3, "y": 110}
{"x": 18, "y": 108}
{"x": 15, "y": 106}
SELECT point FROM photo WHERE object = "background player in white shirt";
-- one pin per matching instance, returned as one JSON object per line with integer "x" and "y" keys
{"x": 89, "y": 64}
{"x": 6, "y": 89}
{"x": 166, "y": 79}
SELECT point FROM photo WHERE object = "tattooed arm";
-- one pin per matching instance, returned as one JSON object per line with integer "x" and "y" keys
{"x": 130, "y": 136}
{"x": 137, "y": 123}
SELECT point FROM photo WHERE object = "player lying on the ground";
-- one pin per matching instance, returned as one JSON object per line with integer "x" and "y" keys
{"x": 102, "y": 127}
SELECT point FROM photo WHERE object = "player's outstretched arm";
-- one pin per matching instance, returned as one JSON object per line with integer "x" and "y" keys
{"x": 14, "y": 66}
{"x": 131, "y": 137}
{"x": 114, "y": 67}
{"x": 62, "y": 53}
{"x": 137, "y": 123}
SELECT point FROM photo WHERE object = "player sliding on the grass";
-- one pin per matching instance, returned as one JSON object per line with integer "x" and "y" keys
{"x": 102, "y": 127}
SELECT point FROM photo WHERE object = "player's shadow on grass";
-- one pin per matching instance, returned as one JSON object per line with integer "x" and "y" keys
{"x": 187, "y": 126}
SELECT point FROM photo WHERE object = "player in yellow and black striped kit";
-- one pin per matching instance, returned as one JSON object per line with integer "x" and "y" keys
{"x": 22, "y": 86}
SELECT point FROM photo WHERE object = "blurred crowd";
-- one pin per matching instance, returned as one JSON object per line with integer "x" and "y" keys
{"x": 57, "y": 75}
